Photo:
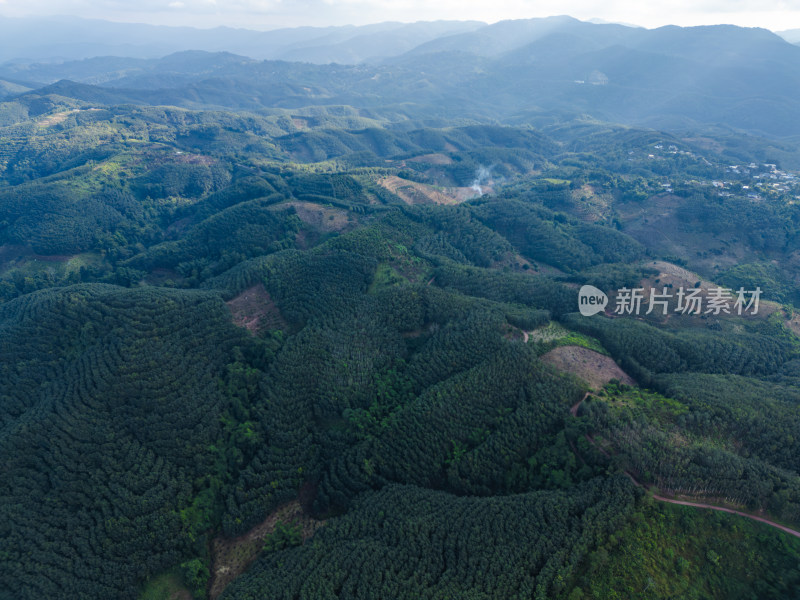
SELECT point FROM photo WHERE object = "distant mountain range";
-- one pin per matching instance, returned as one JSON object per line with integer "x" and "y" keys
{"x": 790, "y": 35}
{"x": 669, "y": 78}
{"x": 69, "y": 38}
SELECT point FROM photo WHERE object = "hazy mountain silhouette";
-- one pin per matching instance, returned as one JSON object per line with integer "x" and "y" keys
{"x": 790, "y": 35}
{"x": 70, "y": 38}
{"x": 668, "y": 78}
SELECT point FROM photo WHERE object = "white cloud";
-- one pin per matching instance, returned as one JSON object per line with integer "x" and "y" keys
{"x": 775, "y": 14}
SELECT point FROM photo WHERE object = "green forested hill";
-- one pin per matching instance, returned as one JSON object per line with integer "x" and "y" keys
{"x": 110, "y": 409}
{"x": 424, "y": 544}
{"x": 206, "y": 317}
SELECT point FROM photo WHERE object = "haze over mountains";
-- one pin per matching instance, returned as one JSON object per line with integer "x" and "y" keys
{"x": 277, "y": 327}
{"x": 790, "y": 35}
{"x": 667, "y": 78}
{"x": 70, "y": 38}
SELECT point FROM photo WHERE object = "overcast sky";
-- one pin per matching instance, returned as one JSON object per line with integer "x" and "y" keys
{"x": 268, "y": 14}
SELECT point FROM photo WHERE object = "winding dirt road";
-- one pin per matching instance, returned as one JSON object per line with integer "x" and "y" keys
{"x": 574, "y": 412}
{"x": 788, "y": 530}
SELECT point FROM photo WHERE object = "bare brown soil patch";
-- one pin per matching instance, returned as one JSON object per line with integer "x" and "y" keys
{"x": 230, "y": 557}
{"x": 412, "y": 192}
{"x": 254, "y": 310}
{"x": 432, "y": 159}
{"x": 59, "y": 117}
{"x": 519, "y": 263}
{"x": 677, "y": 277}
{"x": 55, "y": 119}
{"x": 591, "y": 206}
{"x": 669, "y": 273}
{"x": 193, "y": 159}
{"x": 794, "y": 324}
{"x": 302, "y": 240}
{"x": 300, "y": 123}
{"x": 323, "y": 218}
{"x": 592, "y": 367}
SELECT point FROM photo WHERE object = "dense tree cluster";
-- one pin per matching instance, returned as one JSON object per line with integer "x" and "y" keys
{"x": 750, "y": 461}
{"x": 385, "y": 379}
{"x": 407, "y": 542}
{"x": 644, "y": 350}
{"x": 109, "y": 410}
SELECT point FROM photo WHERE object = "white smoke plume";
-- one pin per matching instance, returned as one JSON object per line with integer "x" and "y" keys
{"x": 482, "y": 175}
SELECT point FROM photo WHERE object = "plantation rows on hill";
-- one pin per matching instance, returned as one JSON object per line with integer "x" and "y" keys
{"x": 388, "y": 377}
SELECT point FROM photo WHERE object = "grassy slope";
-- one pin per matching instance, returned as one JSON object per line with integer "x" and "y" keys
{"x": 680, "y": 552}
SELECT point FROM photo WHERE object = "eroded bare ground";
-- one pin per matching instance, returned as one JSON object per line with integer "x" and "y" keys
{"x": 794, "y": 324}
{"x": 230, "y": 557}
{"x": 60, "y": 117}
{"x": 679, "y": 277}
{"x": 432, "y": 159}
{"x": 254, "y": 310}
{"x": 56, "y": 118}
{"x": 594, "y": 368}
{"x": 592, "y": 205}
{"x": 412, "y": 192}
{"x": 674, "y": 277}
{"x": 300, "y": 122}
{"x": 518, "y": 263}
{"x": 322, "y": 218}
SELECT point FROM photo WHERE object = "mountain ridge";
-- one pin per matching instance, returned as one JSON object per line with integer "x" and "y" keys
{"x": 744, "y": 79}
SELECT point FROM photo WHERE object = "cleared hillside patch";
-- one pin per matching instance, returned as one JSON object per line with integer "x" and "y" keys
{"x": 323, "y": 218}
{"x": 254, "y": 310}
{"x": 230, "y": 557}
{"x": 412, "y": 192}
{"x": 594, "y": 368}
